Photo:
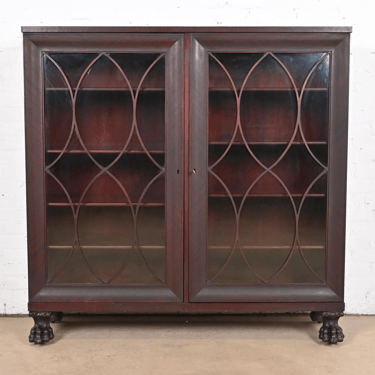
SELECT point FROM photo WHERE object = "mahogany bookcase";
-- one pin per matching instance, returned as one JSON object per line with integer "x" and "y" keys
{"x": 186, "y": 170}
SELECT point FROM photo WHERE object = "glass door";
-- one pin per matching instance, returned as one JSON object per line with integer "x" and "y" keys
{"x": 259, "y": 165}
{"x": 113, "y": 153}
{"x": 267, "y": 165}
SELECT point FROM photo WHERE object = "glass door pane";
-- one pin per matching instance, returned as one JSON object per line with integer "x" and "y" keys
{"x": 267, "y": 167}
{"x": 105, "y": 168}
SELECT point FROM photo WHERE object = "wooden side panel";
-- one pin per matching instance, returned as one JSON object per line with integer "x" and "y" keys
{"x": 33, "y": 76}
{"x": 338, "y": 143}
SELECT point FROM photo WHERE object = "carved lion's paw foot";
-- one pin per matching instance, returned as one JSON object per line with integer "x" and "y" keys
{"x": 332, "y": 335}
{"x": 41, "y": 332}
{"x": 331, "y": 332}
{"x": 39, "y": 336}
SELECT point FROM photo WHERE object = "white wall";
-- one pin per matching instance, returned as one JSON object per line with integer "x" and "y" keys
{"x": 360, "y": 269}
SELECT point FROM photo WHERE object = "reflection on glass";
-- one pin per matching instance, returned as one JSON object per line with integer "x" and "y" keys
{"x": 267, "y": 169}
{"x": 105, "y": 184}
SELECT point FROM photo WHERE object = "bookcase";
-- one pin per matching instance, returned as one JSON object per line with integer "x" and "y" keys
{"x": 186, "y": 170}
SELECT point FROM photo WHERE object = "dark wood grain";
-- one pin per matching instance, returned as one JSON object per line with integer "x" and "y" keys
{"x": 34, "y": 138}
{"x": 187, "y": 136}
{"x": 198, "y": 166}
{"x": 174, "y": 166}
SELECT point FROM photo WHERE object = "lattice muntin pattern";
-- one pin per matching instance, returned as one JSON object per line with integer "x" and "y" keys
{"x": 104, "y": 170}
{"x": 239, "y": 129}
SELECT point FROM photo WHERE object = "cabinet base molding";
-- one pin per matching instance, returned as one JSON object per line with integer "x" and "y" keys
{"x": 42, "y": 331}
{"x": 330, "y": 331}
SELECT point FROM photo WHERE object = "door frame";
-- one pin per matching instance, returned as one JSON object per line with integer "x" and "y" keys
{"x": 35, "y": 44}
{"x": 337, "y": 44}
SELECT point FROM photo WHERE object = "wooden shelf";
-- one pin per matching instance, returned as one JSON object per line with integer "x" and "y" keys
{"x": 98, "y": 247}
{"x": 107, "y": 151}
{"x": 62, "y": 204}
{"x": 105, "y": 89}
{"x": 266, "y": 195}
{"x": 236, "y": 143}
{"x": 163, "y": 247}
{"x": 267, "y": 89}
{"x": 264, "y": 247}
{"x": 215, "y": 143}
{"x": 163, "y": 89}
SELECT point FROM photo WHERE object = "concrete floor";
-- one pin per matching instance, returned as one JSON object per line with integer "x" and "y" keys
{"x": 281, "y": 344}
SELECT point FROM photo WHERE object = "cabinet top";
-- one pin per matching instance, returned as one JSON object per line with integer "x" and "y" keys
{"x": 170, "y": 29}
